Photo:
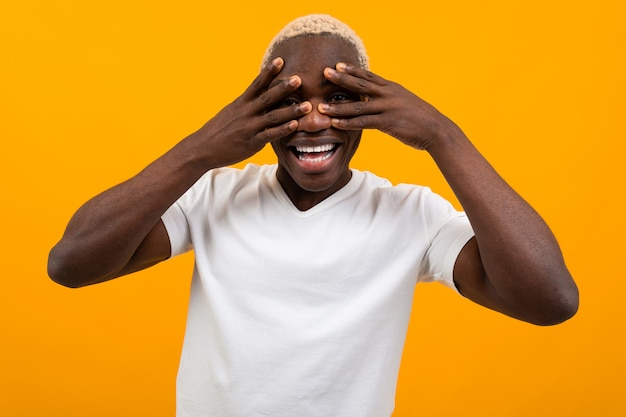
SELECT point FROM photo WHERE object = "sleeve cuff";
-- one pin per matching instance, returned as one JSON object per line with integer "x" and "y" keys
{"x": 177, "y": 229}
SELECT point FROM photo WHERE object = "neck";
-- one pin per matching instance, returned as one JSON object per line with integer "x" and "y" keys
{"x": 303, "y": 198}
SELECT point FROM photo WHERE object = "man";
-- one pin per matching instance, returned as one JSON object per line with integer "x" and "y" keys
{"x": 305, "y": 269}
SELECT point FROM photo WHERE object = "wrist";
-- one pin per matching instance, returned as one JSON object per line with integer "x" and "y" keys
{"x": 445, "y": 138}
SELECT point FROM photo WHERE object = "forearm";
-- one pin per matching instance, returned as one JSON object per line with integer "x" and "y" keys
{"x": 514, "y": 265}
{"x": 117, "y": 232}
{"x": 499, "y": 216}
{"x": 520, "y": 256}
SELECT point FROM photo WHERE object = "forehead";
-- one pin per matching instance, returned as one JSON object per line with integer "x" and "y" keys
{"x": 314, "y": 53}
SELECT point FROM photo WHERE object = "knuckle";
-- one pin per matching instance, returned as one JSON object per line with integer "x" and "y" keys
{"x": 264, "y": 99}
{"x": 342, "y": 123}
{"x": 287, "y": 128}
{"x": 362, "y": 84}
{"x": 359, "y": 107}
{"x": 298, "y": 111}
{"x": 370, "y": 76}
{"x": 271, "y": 117}
{"x": 336, "y": 110}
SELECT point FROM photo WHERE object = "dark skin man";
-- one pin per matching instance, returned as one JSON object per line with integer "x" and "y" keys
{"x": 314, "y": 94}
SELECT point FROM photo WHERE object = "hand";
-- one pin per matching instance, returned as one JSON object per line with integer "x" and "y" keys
{"x": 388, "y": 107}
{"x": 242, "y": 128}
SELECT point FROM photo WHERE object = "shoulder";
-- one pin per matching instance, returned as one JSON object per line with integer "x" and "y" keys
{"x": 231, "y": 177}
{"x": 247, "y": 173}
{"x": 405, "y": 201}
{"x": 383, "y": 190}
{"x": 221, "y": 185}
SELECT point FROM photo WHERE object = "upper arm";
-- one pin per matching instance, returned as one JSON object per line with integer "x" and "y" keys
{"x": 471, "y": 280}
{"x": 549, "y": 298}
{"x": 153, "y": 249}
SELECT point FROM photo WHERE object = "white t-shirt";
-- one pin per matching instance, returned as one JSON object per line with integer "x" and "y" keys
{"x": 303, "y": 313}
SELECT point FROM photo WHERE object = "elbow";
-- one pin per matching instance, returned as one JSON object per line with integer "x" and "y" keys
{"x": 59, "y": 275}
{"x": 561, "y": 308}
{"x": 568, "y": 308}
{"x": 71, "y": 267}
{"x": 61, "y": 271}
{"x": 558, "y": 315}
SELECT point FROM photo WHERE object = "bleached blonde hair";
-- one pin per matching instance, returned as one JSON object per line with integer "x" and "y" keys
{"x": 318, "y": 25}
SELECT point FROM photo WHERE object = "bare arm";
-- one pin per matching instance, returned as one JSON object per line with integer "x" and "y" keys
{"x": 120, "y": 231}
{"x": 514, "y": 264}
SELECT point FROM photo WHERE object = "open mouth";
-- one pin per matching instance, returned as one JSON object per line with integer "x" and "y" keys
{"x": 314, "y": 154}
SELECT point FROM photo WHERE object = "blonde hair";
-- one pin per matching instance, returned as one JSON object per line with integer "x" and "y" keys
{"x": 318, "y": 25}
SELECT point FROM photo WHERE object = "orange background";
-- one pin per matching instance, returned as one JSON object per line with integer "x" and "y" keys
{"x": 90, "y": 92}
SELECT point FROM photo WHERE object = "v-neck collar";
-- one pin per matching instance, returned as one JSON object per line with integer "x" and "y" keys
{"x": 336, "y": 197}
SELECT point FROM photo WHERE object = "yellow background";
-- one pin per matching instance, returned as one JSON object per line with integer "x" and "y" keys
{"x": 90, "y": 92}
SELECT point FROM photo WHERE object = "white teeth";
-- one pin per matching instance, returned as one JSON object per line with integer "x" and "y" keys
{"x": 314, "y": 160}
{"x": 320, "y": 148}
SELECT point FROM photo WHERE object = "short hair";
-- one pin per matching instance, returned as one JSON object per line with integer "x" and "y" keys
{"x": 318, "y": 25}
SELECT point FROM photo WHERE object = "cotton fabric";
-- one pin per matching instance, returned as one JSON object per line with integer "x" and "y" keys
{"x": 303, "y": 313}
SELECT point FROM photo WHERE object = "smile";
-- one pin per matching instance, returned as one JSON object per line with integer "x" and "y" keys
{"x": 315, "y": 154}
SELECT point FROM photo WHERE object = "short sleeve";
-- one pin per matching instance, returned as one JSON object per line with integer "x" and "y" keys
{"x": 446, "y": 244}
{"x": 177, "y": 228}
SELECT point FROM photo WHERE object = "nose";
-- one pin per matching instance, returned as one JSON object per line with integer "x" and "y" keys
{"x": 314, "y": 121}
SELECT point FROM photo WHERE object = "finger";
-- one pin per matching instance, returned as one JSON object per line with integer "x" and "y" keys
{"x": 264, "y": 78}
{"x": 355, "y": 79}
{"x": 282, "y": 115}
{"x": 353, "y": 109}
{"x": 272, "y": 134}
{"x": 360, "y": 72}
{"x": 278, "y": 91}
{"x": 355, "y": 123}
{"x": 273, "y": 118}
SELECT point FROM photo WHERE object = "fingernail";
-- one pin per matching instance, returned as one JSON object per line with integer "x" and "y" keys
{"x": 306, "y": 107}
{"x": 277, "y": 62}
{"x": 341, "y": 66}
{"x": 323, "y": 107}
{"x": 294, "y": 80}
